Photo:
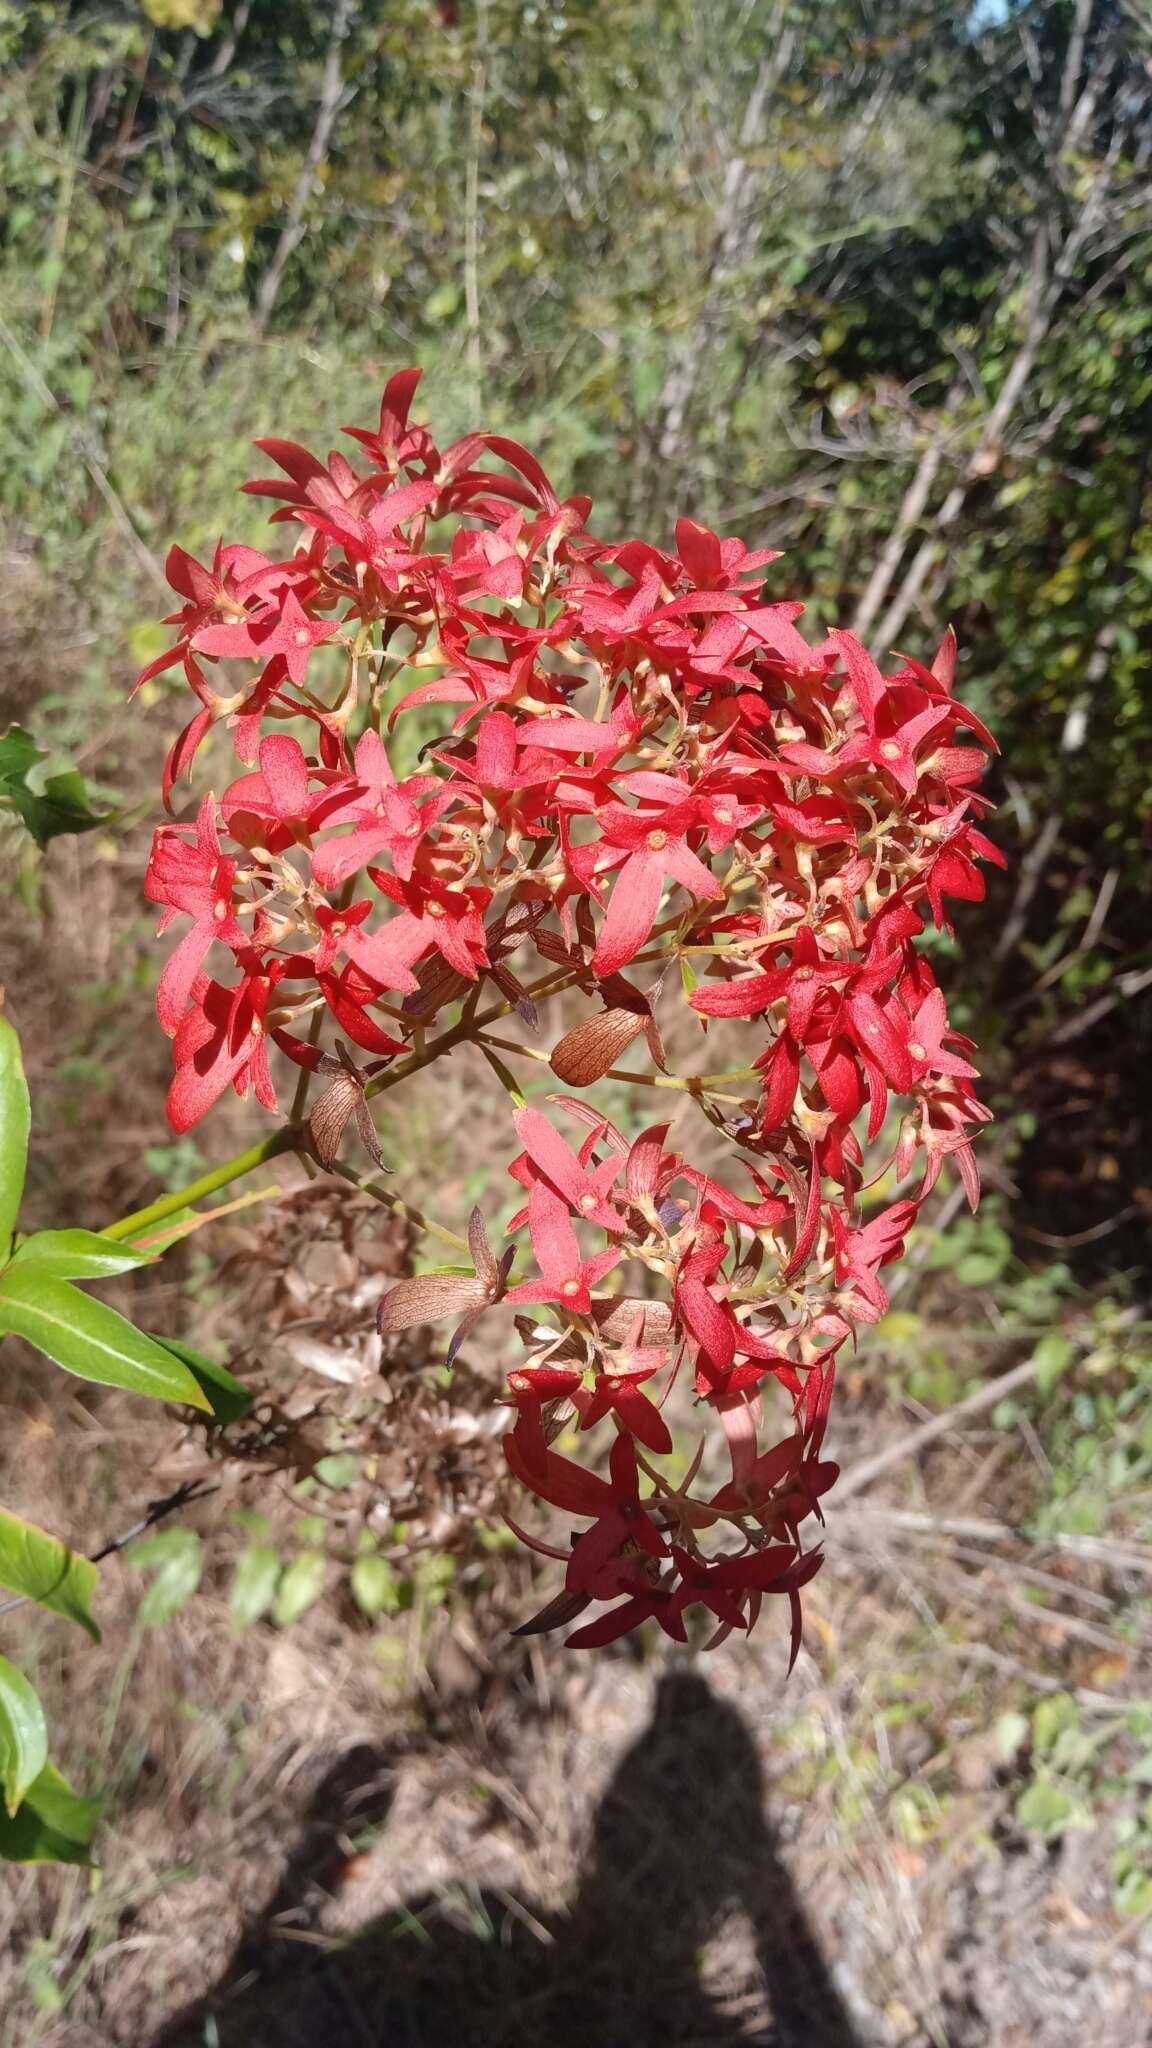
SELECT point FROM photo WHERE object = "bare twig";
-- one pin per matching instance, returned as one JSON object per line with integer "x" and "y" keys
{"x": 227, "y": 50}
{"x": 907, "y": 519}
{"x": 185, "y": 1495}
{"x": 731, "y": 226}
{"x": 1125, "y": 988}
{"x": 333, "y": 95}
{"x": 472, "y": 207}
{"x": 1028, "y": 881}
{"x": 1078, "y": 1237}
{"x": 85, "y": 449}
{"x": 861, "y": 1475}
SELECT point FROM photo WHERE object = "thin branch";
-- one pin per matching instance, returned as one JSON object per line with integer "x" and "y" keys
{"x": 479, "y": 92}
{"x": 86, "y": 450}
{"x": 333, "y": 96}
{"x": 859, "y": 1476}
{"x": 184, "y": 1496}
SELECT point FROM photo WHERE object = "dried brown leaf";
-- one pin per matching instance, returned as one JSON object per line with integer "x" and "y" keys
{"x": 585, "y": 1053}
{"x": 330, "y": 1114}
{"x": 426, "y": 1298}
{"x": 640, "y": 1322}
{"x": 557, "y": 1614}
{"x": 483, "y": 1256}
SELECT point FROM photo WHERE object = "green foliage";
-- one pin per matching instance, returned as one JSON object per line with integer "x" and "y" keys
{"x": 221, "y": 1391}
{"x": 1080, "y": 1776}
{"x": 15, "y": 1123}
{"x": 175, "y": 1558}
{"x": 46, "y": 1820}
{"x": 47, "y": 804}
{"x": 254, "y": 1585}
{"x": 77, "y": 1255}
{"x": 374, "y": 1587}
{"x": 89, "y": 1339}
{"x": 39, "y": 1567}
{"x": 53, "y": 1824}
{"x": 299, "y": 1588}
{"x": 23, "y": 1735}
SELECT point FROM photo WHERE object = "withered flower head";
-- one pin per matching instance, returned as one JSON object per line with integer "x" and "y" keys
{"x": 341, "y": 1101}
{"x": 428, "y": 1297}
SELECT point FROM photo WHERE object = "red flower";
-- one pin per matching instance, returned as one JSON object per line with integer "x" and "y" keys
{"x": 621, "y": 719}
{"x": 566, "y": 1278}
{"x": 656, "y": 847}
{"x": 289, "y": 632}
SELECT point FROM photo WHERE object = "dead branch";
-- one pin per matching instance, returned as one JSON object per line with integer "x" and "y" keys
{"x": 861, "y": 1475}
{"x": 333, "y": 96}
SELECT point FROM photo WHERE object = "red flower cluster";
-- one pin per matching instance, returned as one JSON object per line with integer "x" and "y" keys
{"x": 645, "y": 766}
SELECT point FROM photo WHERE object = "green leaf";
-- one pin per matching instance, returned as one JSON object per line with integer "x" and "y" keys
{"x": 15, "y": 1123}
{"x": 1011, "y": 1733}
{"x": 1053, "y": 1354}
{"x": 78, "y": 1255}
{"x": 89, "y": 1339}
{"x": 442, "y": 303}
{"x": 255, "y": 1583}
{"x": 299, "y": 1589}
{"x": 43, "y": 1569}
{"x": 374, "y": 1587}
{"x": 48, "y": 804}
{"x": 54, "y": 1824}
{"x": 1045, "y": 1809}
{"x": 224, "y": 1395}
{"x": 339, "y": 1468}
{"x": 177, "y": 1557}
{"x": 23, "y": 1735}
{"x": 198, "y": 15}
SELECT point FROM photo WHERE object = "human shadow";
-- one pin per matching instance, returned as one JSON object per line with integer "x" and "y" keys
{"x": 680, "y": 1842}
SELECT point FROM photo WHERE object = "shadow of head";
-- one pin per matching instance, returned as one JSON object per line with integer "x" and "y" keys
{"x": 681, "y": 1854}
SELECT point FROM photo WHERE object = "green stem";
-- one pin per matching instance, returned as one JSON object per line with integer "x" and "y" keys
{"x": 689, "y": 1083}
{"x": 286, "y": 1139}
{"x": 292, "y": 1137}
{"x": 399, "y": 1208}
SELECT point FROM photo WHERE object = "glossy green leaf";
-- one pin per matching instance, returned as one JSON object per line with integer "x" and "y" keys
{"x": 23, "y": 1735}
{"x": 223, "y": 1394}
{"x": 255, "y": 1583}
{"x": 78, "y": 1255}
{"x": 89, "y": 1339}
{"x": 54, "y": 1824}
{"x": 15, "y": 1122}
{"x": 177, "y": 1558}
{"x": 299, "y": 1589}
{"x": 43, "y": 1569}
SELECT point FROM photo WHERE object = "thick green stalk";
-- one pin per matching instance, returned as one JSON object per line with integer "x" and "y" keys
{"x": 287, "y": 1139}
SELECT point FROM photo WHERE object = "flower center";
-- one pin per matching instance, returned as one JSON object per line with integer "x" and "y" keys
{"x": 916, "y": 1049}
{"x": 302, "y": 637}
{"x": 804, "y": 974}
{"x": 587, "y": 1203}
{"x": 889, "y": 751}
{"x": 570, "y": 1288}
{"x": 657, "y": 841}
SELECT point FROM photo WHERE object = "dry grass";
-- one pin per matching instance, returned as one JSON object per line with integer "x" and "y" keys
{"x": 432, "y": 1833}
